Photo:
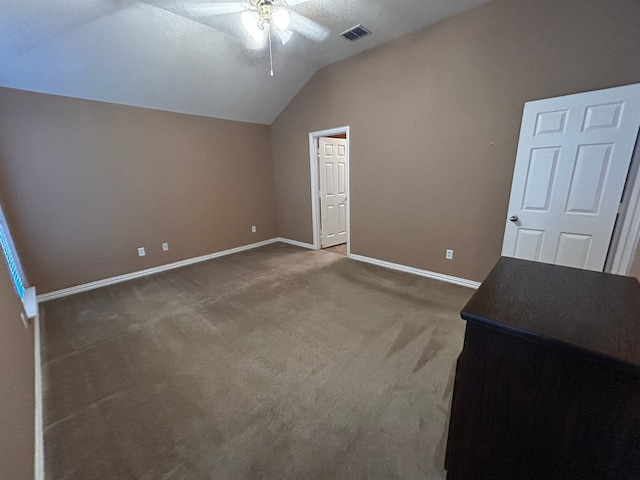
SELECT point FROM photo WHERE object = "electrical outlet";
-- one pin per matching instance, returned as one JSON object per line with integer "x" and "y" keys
{"x": 253, "y": 229}
{"x": 141, "y": 252}
{"x": 165, "y": 247}
{"x": 449, "y": 254}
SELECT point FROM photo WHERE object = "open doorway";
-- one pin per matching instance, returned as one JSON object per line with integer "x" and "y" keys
{"x": 330, "y": 202}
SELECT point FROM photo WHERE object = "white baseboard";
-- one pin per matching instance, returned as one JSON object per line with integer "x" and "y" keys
{"x": 416, "y": 271}
{"x": 296, "y": 243}
{"x": 38, "y": 457}
{"x": 65, "y": 292}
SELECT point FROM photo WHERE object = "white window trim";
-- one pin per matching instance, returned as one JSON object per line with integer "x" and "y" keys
{"x": 30, "y": 303}
{"x": 29, "y": 299}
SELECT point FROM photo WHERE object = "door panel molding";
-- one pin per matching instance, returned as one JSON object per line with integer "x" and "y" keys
{"x": 574, "y": 162}
{"x": 333, "y": 162}
{"x": 315, "y": 183}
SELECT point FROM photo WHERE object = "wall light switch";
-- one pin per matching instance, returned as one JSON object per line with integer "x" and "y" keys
{"x": 449, "y": 254}
{"x": 253, "y": 229}
{"x": 165, "y": 247}
{"x": 141, "y": 252}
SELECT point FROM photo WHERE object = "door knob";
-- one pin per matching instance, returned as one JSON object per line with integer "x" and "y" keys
{"x": 514, "y": 218}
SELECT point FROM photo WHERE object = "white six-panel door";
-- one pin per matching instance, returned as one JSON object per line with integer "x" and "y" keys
{"x": 571, "y": 167}
{"x": 332, "y": 154}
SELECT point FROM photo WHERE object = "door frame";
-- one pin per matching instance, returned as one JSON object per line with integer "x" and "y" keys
{"x": 315, "y": 183}
{"x": 629, "y": 231}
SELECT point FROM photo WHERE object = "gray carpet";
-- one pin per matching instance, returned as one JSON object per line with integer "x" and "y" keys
{"x": 275, "y": 363}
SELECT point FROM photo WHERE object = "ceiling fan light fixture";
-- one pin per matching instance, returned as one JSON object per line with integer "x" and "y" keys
{"x": 284, "y": 35}
{"x": 281, "y": 18}
{"x": 263, "y": 19}
{"x": 250, "y": 22}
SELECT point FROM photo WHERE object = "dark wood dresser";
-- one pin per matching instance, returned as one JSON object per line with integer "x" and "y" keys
{"x": 548, "y": 382}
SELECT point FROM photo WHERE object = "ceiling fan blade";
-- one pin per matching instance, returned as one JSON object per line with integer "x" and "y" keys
{"x": 293, "y": 3}
{"x": 308, "y": 27}
{"x": 215, "y": 8}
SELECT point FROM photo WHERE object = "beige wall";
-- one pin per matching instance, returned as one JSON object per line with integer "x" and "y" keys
{"x": 435, "y": 118}
{"x": 434, "y": 122}
{"x": 16, "y": 386}
{"x": 86, "y": 183}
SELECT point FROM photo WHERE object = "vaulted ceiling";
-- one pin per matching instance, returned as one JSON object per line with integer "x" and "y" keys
{"x": 170, "y": 55}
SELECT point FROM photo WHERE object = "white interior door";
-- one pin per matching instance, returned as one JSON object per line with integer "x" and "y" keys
{"x": 332, "y": 156}
{"x": 571, "y": 167}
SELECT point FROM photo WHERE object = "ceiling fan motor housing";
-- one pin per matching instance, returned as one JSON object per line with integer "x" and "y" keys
{"x": 265, "y": 10}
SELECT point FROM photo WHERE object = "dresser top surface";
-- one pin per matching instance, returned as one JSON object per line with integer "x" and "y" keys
{"x": 595, "y": 312}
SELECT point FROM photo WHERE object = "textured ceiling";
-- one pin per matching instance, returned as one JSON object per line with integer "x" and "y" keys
{"x": 156, "y": 54}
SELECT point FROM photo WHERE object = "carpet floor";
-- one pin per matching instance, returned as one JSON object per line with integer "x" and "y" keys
{"x": 274, "y": 363}
{"x": 338, "y": 249}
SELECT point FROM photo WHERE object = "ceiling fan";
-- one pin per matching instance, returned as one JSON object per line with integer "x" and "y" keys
{"x": 264, "y": 18}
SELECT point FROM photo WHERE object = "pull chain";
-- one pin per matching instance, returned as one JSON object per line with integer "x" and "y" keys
{"x": 270, "y": 52}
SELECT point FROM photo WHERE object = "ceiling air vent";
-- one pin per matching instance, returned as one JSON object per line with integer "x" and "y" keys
{"x": 356, "y": 33}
